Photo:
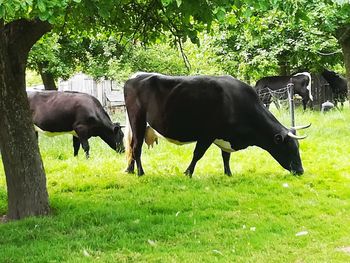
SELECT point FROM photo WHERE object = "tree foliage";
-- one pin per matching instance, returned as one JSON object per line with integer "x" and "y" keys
{"x": 277, "y": 39}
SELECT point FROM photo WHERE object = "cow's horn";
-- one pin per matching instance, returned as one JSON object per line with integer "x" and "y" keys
{"x": 301, "y": 127}
{"x": 290, "y": 134}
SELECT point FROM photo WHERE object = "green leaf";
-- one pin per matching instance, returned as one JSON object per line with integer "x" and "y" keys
{"x": 44, "y": 16}
{"x": 178, "y": 2}
{"x": 220, "y": 14}
{"x": 166, "y": 2}
{"x": 41, "y": 6}
{"x": 2, "y": 11}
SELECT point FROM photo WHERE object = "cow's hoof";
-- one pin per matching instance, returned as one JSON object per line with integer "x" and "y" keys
{"x": 188, "y": 173}
{"x": 140, "y": 174}
{"x": 129, "y": 171}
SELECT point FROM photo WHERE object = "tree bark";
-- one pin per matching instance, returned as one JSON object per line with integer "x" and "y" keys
{"x": 25, "y": 176}
{"x": 47, "y": 77}
{"x": 284, "y": 67}
{"x": 343, "y": 36}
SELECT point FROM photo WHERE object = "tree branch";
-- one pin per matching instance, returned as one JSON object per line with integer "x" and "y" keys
{"x": 23, "y": 34}
{"x": 328, "y": 54}
{"x": 175, "y": 32}
{"x": 142, "y": 21}
{"x": 183, "y": 54}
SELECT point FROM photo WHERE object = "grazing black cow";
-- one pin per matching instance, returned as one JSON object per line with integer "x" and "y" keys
{"x": 267, "y": 86}
{"x": 80, "y": 114}
{"x": 338, "y": 85}
{"x": 204, "y": 109}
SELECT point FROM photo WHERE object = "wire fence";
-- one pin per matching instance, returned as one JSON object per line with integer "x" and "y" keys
{"x": 267, "y": 93}
{"x": 284, "y": 95}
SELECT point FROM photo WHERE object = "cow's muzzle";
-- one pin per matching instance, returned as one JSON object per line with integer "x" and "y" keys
{"x": 296, "y": 169}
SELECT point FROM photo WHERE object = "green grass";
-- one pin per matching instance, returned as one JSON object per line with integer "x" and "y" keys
{"x": 101, "y": 214}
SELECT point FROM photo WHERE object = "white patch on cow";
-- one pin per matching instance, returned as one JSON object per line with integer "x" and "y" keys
{"x": 309, "y": 85}
{"x": 51, "y": 134}
{"x": 224, "y": 145}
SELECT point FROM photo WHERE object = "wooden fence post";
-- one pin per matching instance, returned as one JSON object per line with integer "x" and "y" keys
{"x": 290, "y": 89}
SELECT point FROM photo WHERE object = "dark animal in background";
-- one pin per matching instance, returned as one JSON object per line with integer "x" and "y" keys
{"x": 80, "y": 114}
{"x": 268, "y": 86}
{"x": 204, "y": 109}
{"x": 338, "y": 85}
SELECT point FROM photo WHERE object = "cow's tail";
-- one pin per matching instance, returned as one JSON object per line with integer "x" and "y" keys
{"x": 127, "y": 139}
{"x": 309, "y": 84}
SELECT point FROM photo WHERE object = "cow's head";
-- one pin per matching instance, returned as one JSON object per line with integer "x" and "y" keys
{"x": 285, "y": 150}
{"x": 119, "y": 136}
{"x": 328, "y": 74}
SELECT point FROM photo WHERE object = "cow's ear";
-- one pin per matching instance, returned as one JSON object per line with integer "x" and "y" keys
{"x": 117, "y": 124}
{"x": 278, "y": 138}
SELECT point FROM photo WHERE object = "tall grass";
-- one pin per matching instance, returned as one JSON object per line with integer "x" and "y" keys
{"x": 101, "y": 214}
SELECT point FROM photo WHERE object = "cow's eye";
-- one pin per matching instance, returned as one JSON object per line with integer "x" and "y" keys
{"x": 278, "y": 138}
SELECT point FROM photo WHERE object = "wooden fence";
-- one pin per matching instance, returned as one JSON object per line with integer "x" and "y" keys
{"x": 108, "y": 92}
{"x": 321, "y": 91}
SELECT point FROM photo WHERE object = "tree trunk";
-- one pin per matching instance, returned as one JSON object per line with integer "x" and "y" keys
{"x": 343, "y": 36}
{"x": 283, "y": 63}
{"x": 284, "y": 68}
{"x": 25, "y": 176}
{"x": 47, "y": 77}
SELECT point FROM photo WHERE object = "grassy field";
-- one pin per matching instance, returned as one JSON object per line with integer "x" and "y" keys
{"x": 260, "y": 214}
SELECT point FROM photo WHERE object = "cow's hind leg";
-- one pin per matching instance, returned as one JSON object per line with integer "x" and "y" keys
{"x": 76, "y": 145}
{"x": 138, "y": 137}
{"x": 131, "y": 167}
{"x": 128, "y": 142}
{"x": 201, "y": 147}
{"x": 226, "y": 158}
{"x": 138, "y": 126}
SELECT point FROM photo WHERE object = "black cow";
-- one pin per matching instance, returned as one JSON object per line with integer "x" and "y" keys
{"x": 82, "y": 115}
{"x": 204, "y": 109}
{"x": 269, "y": 88}
{"x": 338, "y": 85}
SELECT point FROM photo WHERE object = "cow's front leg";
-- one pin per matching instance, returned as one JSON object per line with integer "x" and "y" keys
{"x": 82, "y": 132}
{"x": 226, "y": 158}
{"x": 85, "y": 145}
{"x": 201, "y": 147}
{"x": 76, "y": 145}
